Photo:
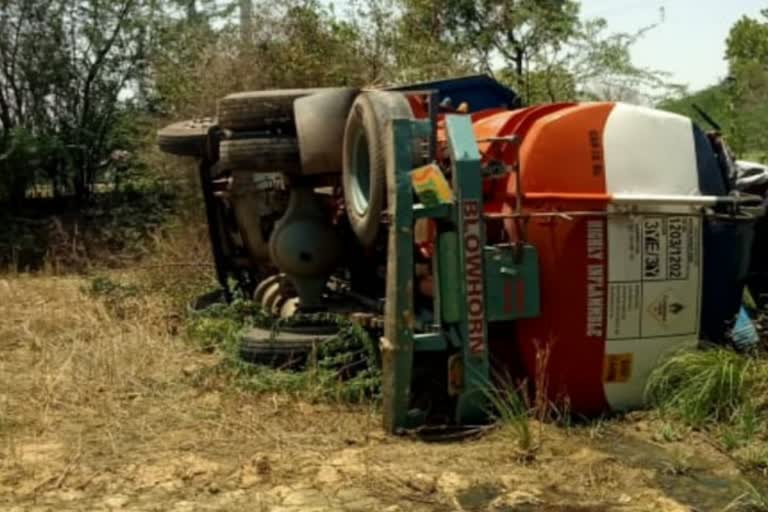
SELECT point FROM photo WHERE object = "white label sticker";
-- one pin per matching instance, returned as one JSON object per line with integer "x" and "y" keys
{"x": 653, "y": 285}
{"x": 654, "y": 249}
{"x": 624, "y": 306}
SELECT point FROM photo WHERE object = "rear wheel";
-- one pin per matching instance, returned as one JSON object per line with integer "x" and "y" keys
{"x": 262, "y": 154}
{"x": 291, "y": 345}
{"x": 365, "y": 159}
{"x": 264, "y": 285}
{"x": 259, "y": 109}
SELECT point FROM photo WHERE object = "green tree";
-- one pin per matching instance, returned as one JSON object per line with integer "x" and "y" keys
{"x": 421, "y": 45}
{"x": 747, "y": 54}
{"x": 299, "y": 43}
{"x": 495, "y": 34}
{"x": 543, "y": 49}
{"x": 748, "y": 41}
{"x": 715, "y": 100}
{"x": 311, "y": 46}
{"x": 63, "y": 67}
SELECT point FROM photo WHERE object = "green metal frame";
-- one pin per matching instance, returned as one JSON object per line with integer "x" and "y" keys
{"x": 462, "y": 288}
{"x": 471, "y": 404}
{"x": 398, "y": 342}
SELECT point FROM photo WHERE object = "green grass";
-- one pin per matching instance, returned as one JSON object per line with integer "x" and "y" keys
{"x": 719, "y": 392}
{"x": 670, "y": 432}
{"x": 703, "y": 387}
{"x": 753, "y": 499}
{"x": 218, "y": 326}
{"x": 343, "y": 369}
{"x": 508, "y": 408}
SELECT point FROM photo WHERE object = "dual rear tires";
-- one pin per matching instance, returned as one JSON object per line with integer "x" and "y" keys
{"x": 245, "y": 116}
{"x": 265, "y": 154}
{"x": 258, "y": 133}
{"x": 259, "y": 110}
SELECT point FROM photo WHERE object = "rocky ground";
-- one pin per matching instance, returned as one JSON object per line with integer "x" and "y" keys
{"x": 106, "y": 412}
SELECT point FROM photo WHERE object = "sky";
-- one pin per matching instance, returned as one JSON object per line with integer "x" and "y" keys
{"x": 689, "y": 43}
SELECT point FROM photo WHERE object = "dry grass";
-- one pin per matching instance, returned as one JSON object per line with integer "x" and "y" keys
{"x": 70, "y": 353}
{"x": 86, "y": 393}
{"x": 78, "y": 358}
{"x": 101, "y": 402}
{"x": 94, "y": 370}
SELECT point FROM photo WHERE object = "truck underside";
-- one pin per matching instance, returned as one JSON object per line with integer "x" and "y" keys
{"x": 559, "y": 249}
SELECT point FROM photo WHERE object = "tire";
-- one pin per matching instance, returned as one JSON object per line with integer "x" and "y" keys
{"x": 259, "y": 109}
{"x": 364, "y": 170}
{"x": 289, "y": 346}
{"x": 185, "y": 138}
{"x": 261, "y": 154}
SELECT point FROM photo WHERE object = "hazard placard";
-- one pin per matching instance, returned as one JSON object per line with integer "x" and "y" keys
{"x": 654, "y": 277}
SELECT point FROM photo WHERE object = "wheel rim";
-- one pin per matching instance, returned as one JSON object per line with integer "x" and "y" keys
{"x": 263, "y": 286}
{"x": 271, "y": 295}
{"x": 361, "y": 175}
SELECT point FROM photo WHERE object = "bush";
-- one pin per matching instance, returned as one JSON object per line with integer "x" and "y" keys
{"x": 704, "y": 387}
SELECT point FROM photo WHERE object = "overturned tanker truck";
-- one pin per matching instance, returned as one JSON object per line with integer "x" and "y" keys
{"x": 572, "y": 244}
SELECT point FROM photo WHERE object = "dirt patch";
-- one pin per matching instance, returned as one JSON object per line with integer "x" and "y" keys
{"x": 105, "y": 413}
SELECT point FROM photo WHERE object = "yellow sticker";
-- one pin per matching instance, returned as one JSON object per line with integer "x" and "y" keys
{"x": 617, "y": 368}
{"x": 431, "y": 186}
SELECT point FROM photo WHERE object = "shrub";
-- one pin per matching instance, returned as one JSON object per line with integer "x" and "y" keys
{"x": 700, "y": 387}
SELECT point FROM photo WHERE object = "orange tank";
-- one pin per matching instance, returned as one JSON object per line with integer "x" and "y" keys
{"x": 618, "y": 290}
